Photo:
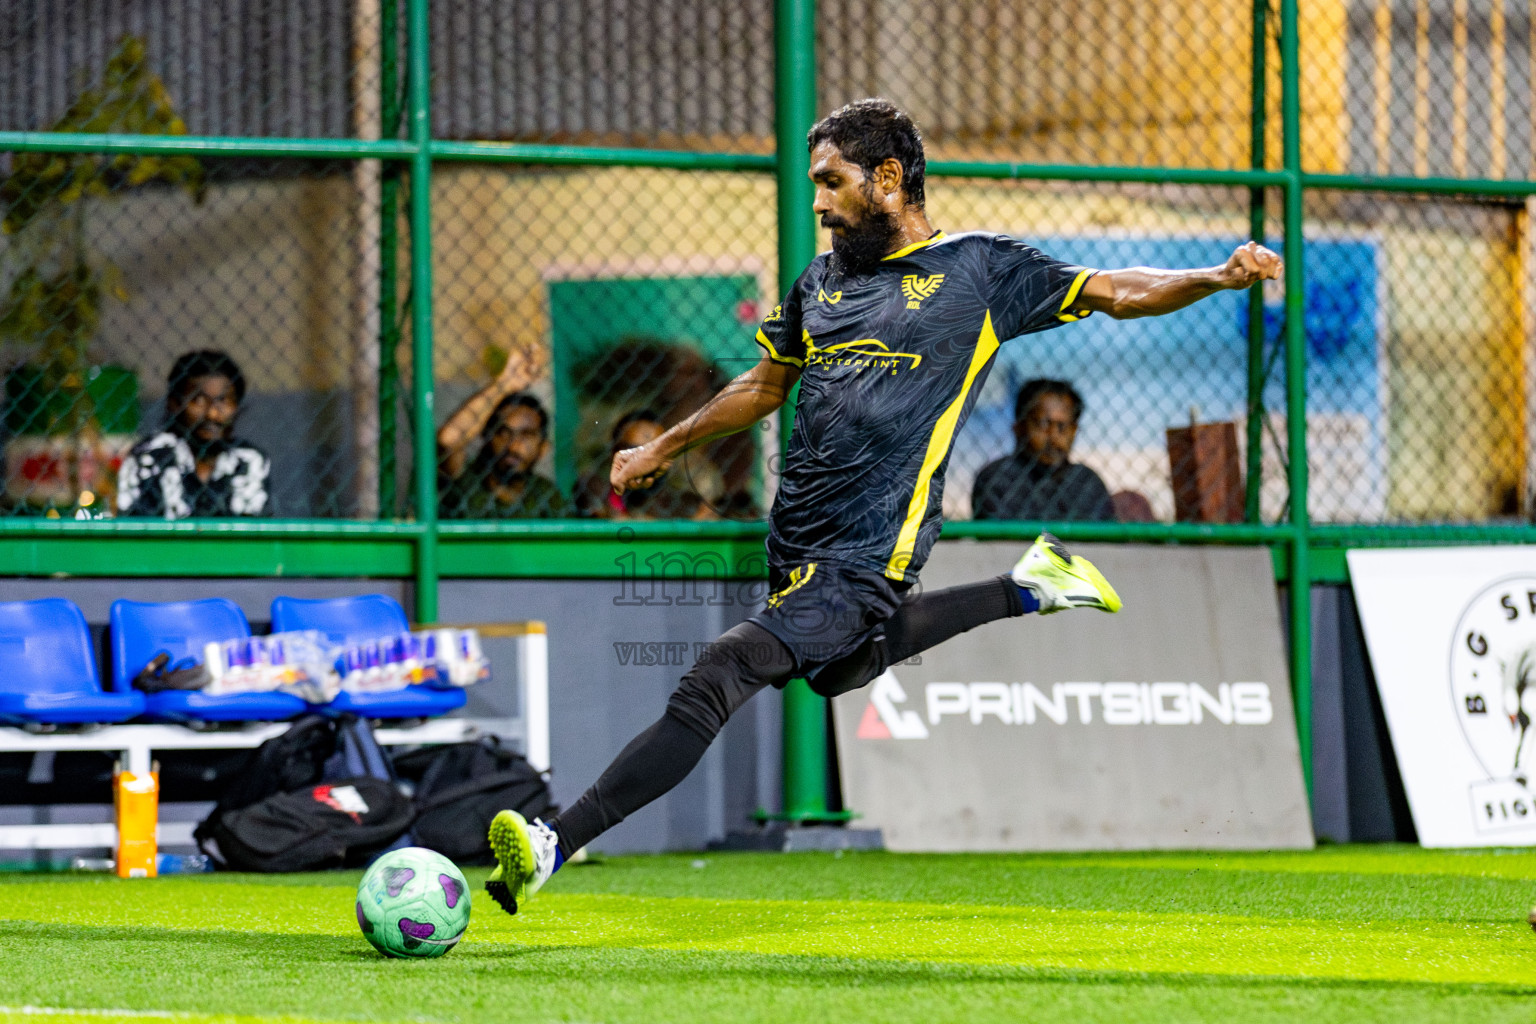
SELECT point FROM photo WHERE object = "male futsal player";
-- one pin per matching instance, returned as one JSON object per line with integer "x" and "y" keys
{"x": 890, "y": 336}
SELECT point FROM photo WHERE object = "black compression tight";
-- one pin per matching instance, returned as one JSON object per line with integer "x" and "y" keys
{"x": 745, "y": 660}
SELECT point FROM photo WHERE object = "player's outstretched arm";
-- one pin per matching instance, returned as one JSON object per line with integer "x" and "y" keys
{"x": 1147, "y": 291}
{"x": 741, "y": 403}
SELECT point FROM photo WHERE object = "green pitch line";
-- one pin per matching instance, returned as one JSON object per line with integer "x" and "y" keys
{"x": 1374, "y": 934}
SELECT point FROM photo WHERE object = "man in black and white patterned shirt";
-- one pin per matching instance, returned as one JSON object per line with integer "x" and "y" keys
{"x": 195, "y": 466}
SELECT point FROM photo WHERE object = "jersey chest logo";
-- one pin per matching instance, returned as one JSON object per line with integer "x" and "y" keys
{"x": 831, "y": 300}
{"x": 916, "y": 289}
{"x": 863, "y": 354}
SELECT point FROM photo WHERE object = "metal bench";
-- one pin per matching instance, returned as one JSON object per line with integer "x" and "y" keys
{"x": 136, "y": 745}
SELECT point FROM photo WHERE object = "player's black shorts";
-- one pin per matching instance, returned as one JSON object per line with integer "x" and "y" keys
{"x": 822, "y": 611}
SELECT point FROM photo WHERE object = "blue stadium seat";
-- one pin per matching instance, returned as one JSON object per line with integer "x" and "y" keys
{"x": 47, "y": 669}
{"x": 141, "y": 629}
{"x": 348, "y": 620}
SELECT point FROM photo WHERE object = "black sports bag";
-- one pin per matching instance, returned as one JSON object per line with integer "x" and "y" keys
{"x": 460, "y": 788}
{"x": 329, "y": 825}
{"x": 288, "y": 761}
{"x": 321, "y": 795}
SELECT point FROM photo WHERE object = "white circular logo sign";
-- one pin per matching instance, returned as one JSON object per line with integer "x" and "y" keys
{"x": 1493, "y": 677}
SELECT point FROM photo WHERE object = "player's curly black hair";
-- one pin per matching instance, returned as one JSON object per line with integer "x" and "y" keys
{"x": 869, "y": 132}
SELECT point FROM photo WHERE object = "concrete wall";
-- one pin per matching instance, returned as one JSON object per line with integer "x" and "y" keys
{"x": 598, "y": 704}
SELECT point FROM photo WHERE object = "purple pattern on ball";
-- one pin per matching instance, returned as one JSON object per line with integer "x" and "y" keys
{"x": 451, "y": 890}
{"x": 362, "y": 922}
{"x": 396, "y": 879}
{"x": 416, "y": 929}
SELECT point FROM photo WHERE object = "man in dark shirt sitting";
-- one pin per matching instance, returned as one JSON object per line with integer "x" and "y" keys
{"x": 1037, "y": 481}
{"x": 196, "y": 466}
{"x": 500, "y": 482}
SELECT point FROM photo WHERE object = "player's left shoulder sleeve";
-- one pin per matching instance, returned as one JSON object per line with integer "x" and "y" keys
{"x": 781, "y": 335}
{"x": 1028, "y": 291}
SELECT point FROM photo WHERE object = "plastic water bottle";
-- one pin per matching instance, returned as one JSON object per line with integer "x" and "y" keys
{"x": 239, "y": 661}
{"x": 183, "y": 864}
{"x": 277, "y": 657}
{"x": 431, "y": 671}
{"x": 448, "y": 670}
{"x": 373, "y": 666}
{"x": 476, "y": 667}
{"x": 213, "y": 660}
{"x": 392, "y": 670}
{"x": 264, "y": 675}
{"x": 347, "y": 667}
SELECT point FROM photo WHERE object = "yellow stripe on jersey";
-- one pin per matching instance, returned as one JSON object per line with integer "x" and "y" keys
{"x": 938, "y": 447}
{"x": 773, "y": 353}
{"x": 1071, "y": 297}
{"x": 899, "y": 253}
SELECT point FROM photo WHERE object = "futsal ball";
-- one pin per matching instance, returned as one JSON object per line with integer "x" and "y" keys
{"x": 413, "y": 902}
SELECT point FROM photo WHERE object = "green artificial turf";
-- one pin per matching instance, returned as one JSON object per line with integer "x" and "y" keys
{"x": 1341, "y": 934}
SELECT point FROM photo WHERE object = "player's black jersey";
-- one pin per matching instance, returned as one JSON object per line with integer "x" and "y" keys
{"x": 892, "y": 361}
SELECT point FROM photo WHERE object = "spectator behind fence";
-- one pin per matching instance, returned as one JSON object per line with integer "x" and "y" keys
{"x": 513, "y": 429}
{"x": 671, "y": 497}
{"x": 1038, "y": 481}
{"x": 195, "y": 466}
{"x": 500, "y": 483}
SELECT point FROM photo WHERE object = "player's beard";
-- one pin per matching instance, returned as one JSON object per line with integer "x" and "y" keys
{"x": 861, "y": 247}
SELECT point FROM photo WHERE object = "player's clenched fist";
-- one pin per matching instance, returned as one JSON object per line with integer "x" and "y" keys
{"x": 1251, "y": 263}
{"x": 636, "y": 467}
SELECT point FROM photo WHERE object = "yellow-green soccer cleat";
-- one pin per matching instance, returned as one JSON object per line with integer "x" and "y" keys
{"x": 1061, "y": 580}
{"x": 525, "y": 858}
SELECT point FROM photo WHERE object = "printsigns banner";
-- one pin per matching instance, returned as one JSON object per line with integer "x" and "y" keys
{"x": 1167, "y": 726}
{"x": 1452, "y": 637}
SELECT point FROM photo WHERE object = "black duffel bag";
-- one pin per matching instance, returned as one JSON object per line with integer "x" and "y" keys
{"x": 321, "y": 795}
{"x": 460, "y": 788}
{"x": 330, "y": 825}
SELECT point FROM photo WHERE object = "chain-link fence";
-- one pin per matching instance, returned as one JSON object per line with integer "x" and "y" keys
{"x": 1422, "y": 88}
{"x": 132, "y": 317}
{"x": 1420, "y": 335}
{"x": 1100, "y": 82}
{"x": 612, "y": 302}
{"x": 293, "y": 68}
{"x": 191, "y": 335}
{"x": 583, "y": 306}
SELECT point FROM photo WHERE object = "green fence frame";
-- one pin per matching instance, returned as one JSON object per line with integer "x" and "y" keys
{"x": 425, "y": 551}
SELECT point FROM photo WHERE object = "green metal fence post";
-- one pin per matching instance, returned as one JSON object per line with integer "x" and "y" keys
{"x": 421, "y": 312}
{"x": 389, "y": 260}
{"x": 1296, "y": 387}
{"x": 805, "y": 764}
{"x": 1256, "y": 293}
